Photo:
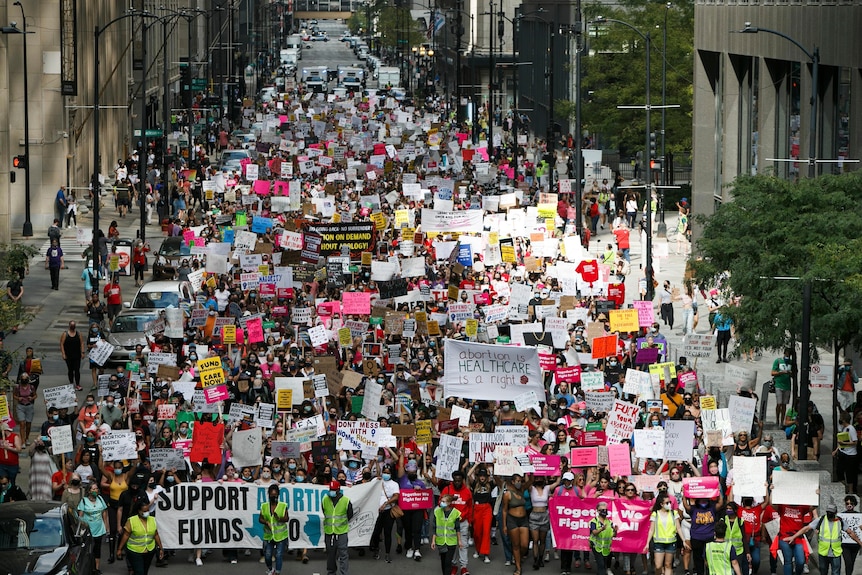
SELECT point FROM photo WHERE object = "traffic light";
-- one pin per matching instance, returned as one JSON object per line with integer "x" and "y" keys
{"x": 652, "y": 145}
{"x": 19, "y": 162}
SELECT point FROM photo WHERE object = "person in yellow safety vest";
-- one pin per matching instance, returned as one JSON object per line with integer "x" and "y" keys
{"x": 273, "y": 517}
{"x": 337, "y": 513}
{"x": 602, "y": 532}
{"x": 445, "y": 524}
{"x": 720, "y": 554}
{"x": 829, "y": 530}
{"x": 665, "y": 527}
{"x": 735, "y": 534}
{"x": 140, "y": 538}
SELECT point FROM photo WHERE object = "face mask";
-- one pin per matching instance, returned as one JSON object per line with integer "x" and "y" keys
{"x": 91, "y": 403}
{"x": 703, "y": 505}
{"x": 688, "y": 401}
{"x": 94, "y": 494}
{"x": 386, "y": 476}
{"x": 603, "y": 512}
{"x": 265, "y": 475}
{"x": 91, "y": 439}
{"x": 300, "y": 478}
{"x": 612, "y": 363}
{"x": 332, "y": 493}
{"x": 145, "y": 514}
{"x": 170, "y": 479}
{"x": 118, "y": 472}
{"x": 516, "y": 484}
{"x": 411, "y": 476}
{"x": 291, "y": 466}
{"x": 654, "y": 330}
{"x": 110, "y": 405}
{"x": 767, "y": 443}
{"x": 276, "y": 469}
{"x": 443, "y": 505}
{"x": 183, "y": 430}
{"x": 76, "y": 482}
{"x": 55, "y": 417}
{"x": 830, "y": 516}
{"x": 506, "y": 408}
{"x": 667, "y": 506}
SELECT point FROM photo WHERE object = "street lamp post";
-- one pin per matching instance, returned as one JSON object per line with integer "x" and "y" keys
{"x": 28, "y": 225}
{"x": 814, "y": 57}
{"x": 662, "y": 226}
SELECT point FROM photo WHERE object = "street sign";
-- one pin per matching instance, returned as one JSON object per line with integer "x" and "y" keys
{"x": 199, "y": 83}
{"x": 151, "y": 133}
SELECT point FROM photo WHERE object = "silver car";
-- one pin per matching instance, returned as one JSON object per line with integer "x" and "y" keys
{"x": 129, "y": 330}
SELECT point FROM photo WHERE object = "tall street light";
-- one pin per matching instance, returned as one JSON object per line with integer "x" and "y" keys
{"x": 814, "y": 57}
{"x": 13, "y": 29}
{"x": 97, "y": 162}
{"x": 650, "y": 290}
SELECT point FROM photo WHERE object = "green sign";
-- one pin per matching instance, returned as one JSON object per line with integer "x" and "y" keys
{"x": 269, "y": 325}
{"x": 199, "y": 83}
{"x": 595, "y": 426}
{"x": 150, "y": 133}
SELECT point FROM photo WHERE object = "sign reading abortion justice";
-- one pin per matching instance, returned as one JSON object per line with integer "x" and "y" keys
{"x": 571, "y": 516}
{"x": 226, "y": 516}
{"x": 492, "y": 372}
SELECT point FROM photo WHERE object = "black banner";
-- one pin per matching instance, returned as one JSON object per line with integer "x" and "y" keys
{"x": 359, "y": 236}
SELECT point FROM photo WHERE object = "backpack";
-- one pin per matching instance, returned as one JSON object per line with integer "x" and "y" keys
{"x": 54, "y": 233}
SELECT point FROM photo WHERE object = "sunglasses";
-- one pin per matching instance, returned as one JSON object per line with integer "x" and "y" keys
{"x": 631, "y": 490}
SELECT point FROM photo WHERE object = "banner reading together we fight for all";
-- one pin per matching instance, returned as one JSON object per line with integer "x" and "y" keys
{"x": 571, "y": 516}
{"x": 222, "y": 516}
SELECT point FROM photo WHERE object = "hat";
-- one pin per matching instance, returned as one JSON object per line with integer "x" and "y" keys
{"x": 831, "y": 509}
{"x": 602, "y": 317}
{"x": 411, "y": 466}
{"x": 334, "y": 486}
{"x": 568, "y": 476}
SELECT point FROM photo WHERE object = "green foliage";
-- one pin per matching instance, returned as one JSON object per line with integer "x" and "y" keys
{"x": 777, "y": 228}
{"x": 394, "y": 23}
{"x": 616, "y": 73}
{"x": 355, "y": 22}
{"x": 13, "y": 258}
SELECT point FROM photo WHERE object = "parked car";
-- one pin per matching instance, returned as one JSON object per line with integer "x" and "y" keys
{"x": 42, "y": 538}
{"x": 129, "y": 330}
{"x": 230, "y": 159}
{"x": 162, "y": 295}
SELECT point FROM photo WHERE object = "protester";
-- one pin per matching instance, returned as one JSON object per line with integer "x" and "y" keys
{"x": 337, "y": 513}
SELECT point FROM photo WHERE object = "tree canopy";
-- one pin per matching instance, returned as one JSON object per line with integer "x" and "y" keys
{"x": 775, "y": 228}
{"x": 614, "y": 73}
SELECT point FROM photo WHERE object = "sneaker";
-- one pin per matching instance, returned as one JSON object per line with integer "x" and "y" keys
{"x": 465, "y": 571}
{"x": 470, "y": 542}
{"x": 424, "y": 541}
{"x": 417, "y": 556}
{"x": 262, "y": 560}
{"x": 198, "y": 562}
{"x": 508, "y": 563}
{"x": 493, "y": 540}
{"x": 475, "y": 555}
{"x": 233, "y": 561}
{"x": 487, "y": 559}
{"x": 410, "y": 554}
{"x": 454, "y": 570}
{"x": 388, "y": 558}
{"x": 805, "y": 569}
{"x": 547, "y": 556}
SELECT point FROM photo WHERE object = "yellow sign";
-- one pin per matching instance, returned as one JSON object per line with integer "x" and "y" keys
{"x": 228, "y": 334}
{"x": 453, "y": 293}
{"x": 707, "y": 402}
{"x": 209, "y": 363}
{"x": 471, "y": 326}
{"x": 284, "y": 399}
{"x": 421, "y": 316}
{"x": 344, "y": 337}
{"x": 402, "y": 219}
{"x": 423, "y": 432}
{"x": 379, "y": 221}
{"x": 662, "y": 370}
{"x": 624, "y": 320}
{"x": 366, "y": 258}
{"x": 114, "y": 263}
{"x": 4, "y": 407}
{"x": 493, "y": 238}
{"x": 507, "y": 254}
{"x": 211, "y": 282}
{"x": 547, "y": 211}
{"x": 211, "y": 377}
{"x": 263, "y": 269}
{"x": 433, "y": 328}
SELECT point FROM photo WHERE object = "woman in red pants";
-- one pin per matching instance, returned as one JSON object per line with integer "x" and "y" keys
{"x": 483, "y": 510}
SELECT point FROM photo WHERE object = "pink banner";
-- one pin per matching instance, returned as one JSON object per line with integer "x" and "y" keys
{"x": 545, "y": 465}
{"x": 261, "y": 187}
{"x": 413, "y": 499}
{"x": 571, "y": 374}
{"x": 356, "y": 302}
{"x": 571, "y": 516}
{"x": 584, "y": 457}
{"x": 282, "y": 188}
{"x": 700, "y": 487}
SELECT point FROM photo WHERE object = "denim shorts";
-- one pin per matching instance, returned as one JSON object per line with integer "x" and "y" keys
{"x": 664, "y": 547}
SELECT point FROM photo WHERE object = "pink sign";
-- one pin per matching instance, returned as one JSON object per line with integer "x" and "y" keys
{"x": 571, "y": 516}
{"x": 184, "y": 444}
{"x": 266, "y": 290}
{"x": 584, "y": 457}
{"x": 700, "y": 487}
{"x": 254, "y": 328}
{"x": 646, "y": 317}
{"x": 619, "y": 459}
{"x": 282, "y": 188}
{"x": 547, "y": 361}
{"x": 216, "y": 393}
{"x": 356, "y": 302}
{"x": 188, "y": 236}
{"x": 570, "y": 374}
{"x": 413, "y": 499}
{"x": 590, "y": 438}
{"x": 687, "y": 380}
{"x": 261, "y": 187}
{"x": 545, "y": 465}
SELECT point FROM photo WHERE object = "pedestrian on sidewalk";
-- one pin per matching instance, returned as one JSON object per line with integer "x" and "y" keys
{"x": 114, "y": 297}
{"x": 60, "y": 204}
{"x": 139, "y": 258}
{"x": 73, "y": 351}
{"x": 72, "y": 210}
{"x": 54, "y": 262}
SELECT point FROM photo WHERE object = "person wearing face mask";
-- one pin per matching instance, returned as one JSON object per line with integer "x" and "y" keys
{"x": 462, "y": 500}
{"x": 140, "y": 539}
{"x": 483, "y": 510}
{"x": 602, "y": 532}
{"x": 445, "y": 525}
{"x": 664, "y": 529}
{"x": 265, "y": 476}
{"x": 408, "y": 478}
{"x": 93, "y": 510}
{"x": 782, "y": 371}
{"x": 273, "y": 517}
{"x": 703, "y": 519}
{"x": 337, "y": 513}
{"x": 389, "y": 495}
{"x": 735, "y": 533}
{"x": 751, "y": 516}
{"x": 109, "y": 412}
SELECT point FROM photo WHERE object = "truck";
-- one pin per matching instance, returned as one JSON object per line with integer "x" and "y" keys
{"x": 351, "y": 77}
{"x": 316, "y": 78}
{"x": 389, "y": 76}
{"x": 294, "y": 42}
{"x": 290, "y": 57}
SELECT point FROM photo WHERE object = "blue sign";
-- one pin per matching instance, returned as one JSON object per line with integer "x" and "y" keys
{"x": 260, "y": 225}
{"x": 228, "y": 236}
{"x": 465, "y": 255}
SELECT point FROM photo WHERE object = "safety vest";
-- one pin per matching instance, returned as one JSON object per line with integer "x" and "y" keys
{"x": 273, "y": 529}
{"x": 335, "y": 516}
{"x": 718, "y": 558}
{"x": 143, "y": 537}
{"x": 734, "y": 534}
{"x": 601, "y": 543}
{"x": 445, "y": 533}
{"x": 829, "y": 536}
{"x": 664, "y": 532}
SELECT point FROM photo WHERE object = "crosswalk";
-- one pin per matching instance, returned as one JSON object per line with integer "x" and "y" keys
{"x": 71, "y": 248}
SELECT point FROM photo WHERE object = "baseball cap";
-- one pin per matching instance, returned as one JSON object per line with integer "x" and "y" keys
{"x": 568, "y": 476}
{"x": 334, "y": 486}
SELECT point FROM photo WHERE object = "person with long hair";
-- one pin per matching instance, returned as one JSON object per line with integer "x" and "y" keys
{"x": 515, "y": 519}
{"x": 664, "y": 529}
{"x": 140, "y": 538}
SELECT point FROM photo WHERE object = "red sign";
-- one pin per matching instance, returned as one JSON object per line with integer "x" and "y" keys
{"x": 266, "y": 290}
{"x": 700, "y": 487}
{"x": 447, "y": 426}
{"x": 414, "y": 499}
{"x": 568, "y": 374}
{"x": 547, "y": 361}
{"x": 207, "y": 440}
{"x": 590, "y": 438}
{"x": 604, "y": 346}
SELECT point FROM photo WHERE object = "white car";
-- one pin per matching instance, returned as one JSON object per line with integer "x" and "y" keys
{"x": 163, "y": 294}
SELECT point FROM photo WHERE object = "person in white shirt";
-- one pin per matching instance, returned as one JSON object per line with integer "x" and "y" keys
{"x": 847, "y": 453}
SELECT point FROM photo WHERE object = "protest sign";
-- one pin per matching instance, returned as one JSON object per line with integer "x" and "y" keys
{"x": 61, "y": 439}
{"x": 638, "y": 383}
{"x": 286, "y": 449}
{"x": 207, "y": 440}
{"x": 505, "y": 460}
{"x": 646, "y": 316}
{"x": 698, "y": 345}
{"x": 415, "y": 499}
{"x": 797, "y": 488}
{"x": 371, "y": 403}
{"x": 571, "y": 516}
{"x": 526, "y": 401}
{"x": 100, "y": 352}
{"x": 246, "y": 447}
{"x": 621, "y": 422}
{"x": 166, "y": 458}
{"x": 117, "y": 445}
{"x": 592, "y": 381}
{"x": 461, "y": 414}
{"x": 448, "y": 456}
{"x": 354, "y": 434}
{"x": 624, "y": 320}
{"x": 224, "y": 516}
{"x": 741, "y": 412}
{"x": 649, "y": 443}
{"x": 619, "y": 459}
{"x": 700, "y": 487}
{"x": 166, "y": 411}
{"x": 60, "y": 396}
{"x": 717, "y": 420}
{"x": 492, "y": 372}
{"x": 545, "y": 465}
{"x": 739, "y": 377}
{"x": 853, "y": 522}
{"x": 517, "y": 435}
{"x": 749, "y": 476}
{"x": 482, "y": 447}
{"x": 584, "y": 457}
{"x": 423, "y": 432}
{"x": 678, "y": 437}
{"x": 599, "y": 401}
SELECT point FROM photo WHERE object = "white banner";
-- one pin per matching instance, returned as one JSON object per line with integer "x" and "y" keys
{"x": 448, "y": 456}
{"x": 101, "y": 352}
{"x": 117, "y": 445}
{"x": 460, "y": 221}
{"x": 60, "y": 396}
{"x": 492, "y": 372}
{"x": 749, "y": 476}
{"x": 225, "y": 516}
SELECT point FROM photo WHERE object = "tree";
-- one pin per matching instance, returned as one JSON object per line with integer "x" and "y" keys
{"x": 776, "y": 228}
{"x": 614, "y": 73}
{"x": 12, "y": 260}
{"x": 394, "y": 24}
